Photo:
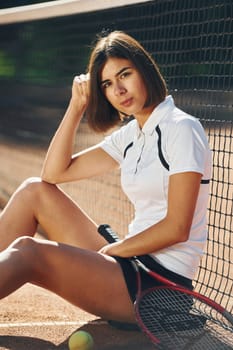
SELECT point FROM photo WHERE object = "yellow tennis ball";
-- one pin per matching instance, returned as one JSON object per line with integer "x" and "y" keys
{"x": 80, "y": 340}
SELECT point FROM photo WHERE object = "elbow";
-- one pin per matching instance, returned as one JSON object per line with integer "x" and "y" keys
{"x": 183, "y": 237}
{"x": 182, "y": 234}
{"x": 179, "y": 230}
{"x": 49, "y": 181}
{"x": 48, "y": 178}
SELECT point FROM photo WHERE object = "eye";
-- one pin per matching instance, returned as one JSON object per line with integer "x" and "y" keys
{"x": 105, "y": 85}
{"x": 125, "y": 74}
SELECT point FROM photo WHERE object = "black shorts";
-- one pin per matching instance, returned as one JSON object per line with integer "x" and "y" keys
{"x": 148, "y": 281}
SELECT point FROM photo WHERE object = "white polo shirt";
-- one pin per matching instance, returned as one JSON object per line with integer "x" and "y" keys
{"x": 170, "y": 142}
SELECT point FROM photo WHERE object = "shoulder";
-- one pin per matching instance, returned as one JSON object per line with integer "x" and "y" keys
{"x": 180, "y": 122}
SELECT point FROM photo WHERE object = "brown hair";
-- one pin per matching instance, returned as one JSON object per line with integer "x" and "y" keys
{"x": 101, "y": 115}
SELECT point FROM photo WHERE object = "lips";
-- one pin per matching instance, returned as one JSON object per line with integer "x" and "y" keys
{"x": 127, "y": 103}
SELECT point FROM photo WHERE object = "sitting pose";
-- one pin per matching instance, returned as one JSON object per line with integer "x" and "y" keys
{"x": 165, "y": 164}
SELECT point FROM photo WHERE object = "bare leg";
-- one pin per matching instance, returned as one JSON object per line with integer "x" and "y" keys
{"x": 87, "y": 279}
{"x": 36, "y": 202}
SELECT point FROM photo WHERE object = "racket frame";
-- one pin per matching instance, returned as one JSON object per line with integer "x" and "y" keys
{"x": 106, "y": 231}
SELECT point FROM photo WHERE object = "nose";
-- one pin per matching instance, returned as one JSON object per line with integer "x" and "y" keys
{"x": 119, "y": 89}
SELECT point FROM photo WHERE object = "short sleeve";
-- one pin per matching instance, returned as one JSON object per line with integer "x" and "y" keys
{"x": 188, "y": 147}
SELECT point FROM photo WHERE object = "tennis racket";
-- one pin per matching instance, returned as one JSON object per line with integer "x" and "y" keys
{"x": 174, "y": 317}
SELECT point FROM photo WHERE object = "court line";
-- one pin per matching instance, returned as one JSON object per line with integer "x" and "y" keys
{"x": 50, "y": 323}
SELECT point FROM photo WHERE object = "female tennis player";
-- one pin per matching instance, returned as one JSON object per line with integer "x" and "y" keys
{"x": 165, "y": 165}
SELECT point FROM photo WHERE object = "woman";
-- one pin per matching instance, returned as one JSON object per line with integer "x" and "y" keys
{"x": 165, "y": 169}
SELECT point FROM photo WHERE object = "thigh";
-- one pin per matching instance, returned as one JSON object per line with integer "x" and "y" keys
{"x": 89, "y": 280}
{"x": 63, "y": 220}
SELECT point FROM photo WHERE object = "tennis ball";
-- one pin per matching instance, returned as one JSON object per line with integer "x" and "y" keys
{"x": 80, "y": 340}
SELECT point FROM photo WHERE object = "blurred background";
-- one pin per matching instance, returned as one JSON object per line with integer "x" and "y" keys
{"x": 42, "y": 47}
{"x": 191, "y": 40}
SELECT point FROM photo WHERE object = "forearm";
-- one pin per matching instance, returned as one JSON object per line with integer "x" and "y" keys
{"x": 176, "y": 225}
{"x": 60, "y": 151}
{"x": 155, "y": 238}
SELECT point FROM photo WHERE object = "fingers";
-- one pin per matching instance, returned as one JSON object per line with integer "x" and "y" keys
{"x": 82, "y": 78}
{"x": 82, "y": 82}
{"x": 81, "y": 86}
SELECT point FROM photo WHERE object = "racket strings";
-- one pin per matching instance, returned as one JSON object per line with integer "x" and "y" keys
{"x": 199, "y": 308}
{"x": 181, "y": 321}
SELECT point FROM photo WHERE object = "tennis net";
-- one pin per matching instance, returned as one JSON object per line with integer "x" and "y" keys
{"x": 44, "y": 46}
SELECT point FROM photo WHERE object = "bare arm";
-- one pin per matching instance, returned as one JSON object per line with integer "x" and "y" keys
{"x": 60, "y": 164}
{"x": 174, "y": 228}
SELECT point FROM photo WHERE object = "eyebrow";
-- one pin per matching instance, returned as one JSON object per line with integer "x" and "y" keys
{"x": 116, "y": 75}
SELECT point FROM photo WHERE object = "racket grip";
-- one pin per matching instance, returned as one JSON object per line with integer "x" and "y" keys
{"x": 107, "y": 232}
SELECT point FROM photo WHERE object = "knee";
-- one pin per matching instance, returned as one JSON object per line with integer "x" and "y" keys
{"x": 34, "y": 187}
{"x": 30, "y": 185}
{"x": 31, "y": 257}
{"x": 25, "y": 246}
{"x": 24, "y": 250}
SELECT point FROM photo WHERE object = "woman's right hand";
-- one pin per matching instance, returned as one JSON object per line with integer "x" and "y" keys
{"x": 80, "y": 91}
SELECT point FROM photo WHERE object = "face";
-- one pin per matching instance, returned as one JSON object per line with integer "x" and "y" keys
{"x": 124, "y": 88}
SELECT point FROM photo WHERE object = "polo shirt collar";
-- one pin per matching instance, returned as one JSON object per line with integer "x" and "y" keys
{"x": 156, "y": 116}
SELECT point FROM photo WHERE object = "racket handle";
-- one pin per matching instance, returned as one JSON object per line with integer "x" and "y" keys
{"x": 107, "y": 232}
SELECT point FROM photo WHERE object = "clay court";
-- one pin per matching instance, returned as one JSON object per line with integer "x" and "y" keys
{"x": 33, "y": 318}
